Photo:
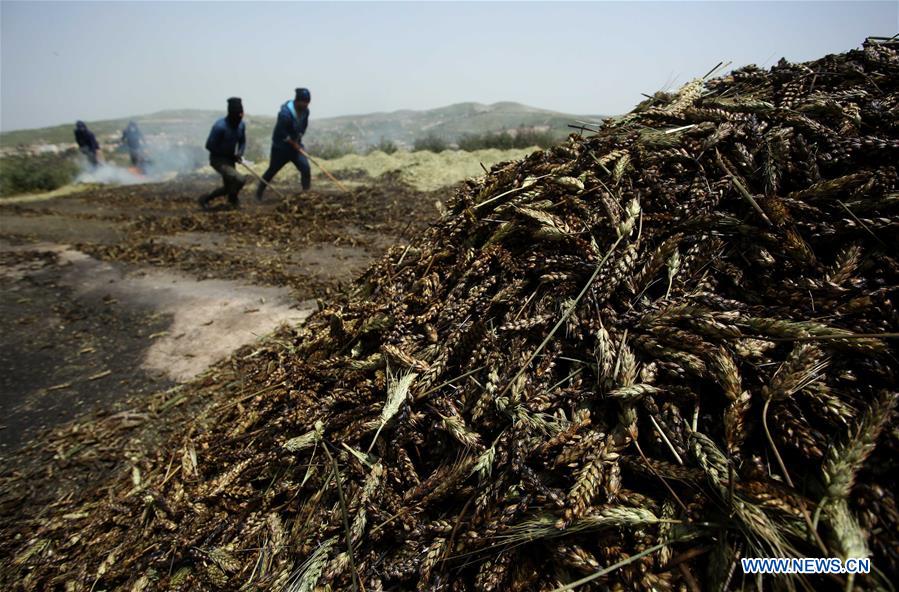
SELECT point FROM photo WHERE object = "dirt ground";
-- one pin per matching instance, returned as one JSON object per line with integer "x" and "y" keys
{"x": 116, "y": 292}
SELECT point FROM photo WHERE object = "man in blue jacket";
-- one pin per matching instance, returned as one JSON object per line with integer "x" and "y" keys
{"x": 226, "y": 143}
{"x": 87, "y": 142}
{"x": 287, "y": 141}
{"x": 134, "y": 139}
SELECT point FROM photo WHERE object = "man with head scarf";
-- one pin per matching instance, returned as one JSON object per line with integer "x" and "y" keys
{"x": 87, "y": 143}
{"x": 287, "y": 141}
{"x": 134, "y": 139}
{"x": 226, "y": 143}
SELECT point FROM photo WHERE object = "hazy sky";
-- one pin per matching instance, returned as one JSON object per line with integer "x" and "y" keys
{"x": 61, "y": 61}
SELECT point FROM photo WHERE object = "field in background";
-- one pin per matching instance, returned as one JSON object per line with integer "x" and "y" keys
{"x": 427, "y": 149}
{"x": 356, "y": 132}
{"x": 423, "y": 170}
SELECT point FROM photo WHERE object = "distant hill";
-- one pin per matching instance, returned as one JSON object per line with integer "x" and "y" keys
{"x": 184, "y": 124}
{"x": 448, "y": 123}
{"x": 401, "y": 127}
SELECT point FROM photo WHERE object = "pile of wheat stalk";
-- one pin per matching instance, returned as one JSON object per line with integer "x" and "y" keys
{"x": 622, "y": 363}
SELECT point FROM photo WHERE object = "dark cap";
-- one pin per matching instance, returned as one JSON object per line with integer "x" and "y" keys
{"x": 303, "y": 94}
{"x": 234, "y": 105}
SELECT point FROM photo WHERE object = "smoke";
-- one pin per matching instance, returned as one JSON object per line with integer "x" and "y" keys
{"x": 108, "y": 174}
{"x": 162, "y": 160}
{"x": 165, "y": 157}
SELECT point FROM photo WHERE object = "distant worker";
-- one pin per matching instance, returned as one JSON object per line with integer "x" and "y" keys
{"x": 87, "y": 143}
{"x": 134, "y": 139}
{"x": 287, "y": 141}
{"x": 226, "y": 143}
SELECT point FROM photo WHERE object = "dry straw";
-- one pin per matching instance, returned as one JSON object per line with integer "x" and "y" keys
{"x": 629, "y": 360}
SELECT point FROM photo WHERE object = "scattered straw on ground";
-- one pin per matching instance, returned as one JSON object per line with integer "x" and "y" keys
{"x": 423, "y": 170}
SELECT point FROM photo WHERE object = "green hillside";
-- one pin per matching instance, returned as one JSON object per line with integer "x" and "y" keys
{"x": 178, "y": 124}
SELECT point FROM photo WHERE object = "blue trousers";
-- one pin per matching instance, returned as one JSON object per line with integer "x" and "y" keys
{"x": 277, "y": 161}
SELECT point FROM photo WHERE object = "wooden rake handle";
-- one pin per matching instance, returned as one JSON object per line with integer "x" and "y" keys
{"x": 324, "y": 170}
{"x": 263, "y": 181}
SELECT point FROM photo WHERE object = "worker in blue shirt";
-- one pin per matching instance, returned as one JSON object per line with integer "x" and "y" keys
{"x": 287, "y": 141}
{"x": 134, "y": 140}
{"x": 226, "y": 143}
{"x": 87, "y": 143}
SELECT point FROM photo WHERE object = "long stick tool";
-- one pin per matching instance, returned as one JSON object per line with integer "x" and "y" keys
{"x": 263, "y": 181}
{"x": 324, "y": 170}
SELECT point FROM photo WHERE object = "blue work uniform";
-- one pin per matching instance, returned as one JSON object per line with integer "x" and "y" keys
{"x": 226, "y": 144}
{"x": 289, "y": 126}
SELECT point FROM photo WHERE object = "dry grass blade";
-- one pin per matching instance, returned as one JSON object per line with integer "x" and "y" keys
{"x": 354, "y": 576}
{"x": 610, "y": 569}
{"x": 396, "y": 394}
{"x": 306, "y": 440}
{"x": 627, "y": 226}
{"x": 598, "y": 518}
{"x": 803, "y": 367}
{"x": 306, "y": 576}
{"x": 844, "y": 461}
